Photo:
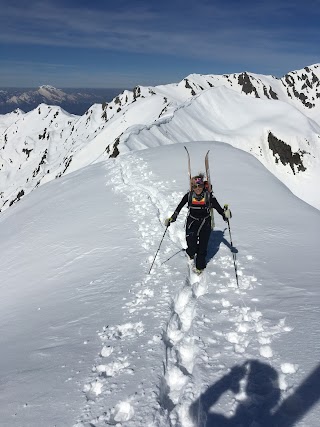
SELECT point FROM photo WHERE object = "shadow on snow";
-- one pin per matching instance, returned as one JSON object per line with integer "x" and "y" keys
{"x": 216, "y": 238}
{"x": 260, "y": 405}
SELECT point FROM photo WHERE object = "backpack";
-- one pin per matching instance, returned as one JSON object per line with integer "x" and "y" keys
{"x": 207, "y": 204}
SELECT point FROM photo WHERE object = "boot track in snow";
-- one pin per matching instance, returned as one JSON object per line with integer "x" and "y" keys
{"x": 174, "y": 326}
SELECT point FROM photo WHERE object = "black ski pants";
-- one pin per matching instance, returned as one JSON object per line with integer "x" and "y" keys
{"x": 197, "y": 236}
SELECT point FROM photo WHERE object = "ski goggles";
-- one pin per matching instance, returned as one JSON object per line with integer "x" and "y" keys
{"x": 198, "y": 181}
{"x": 197, "y": 186}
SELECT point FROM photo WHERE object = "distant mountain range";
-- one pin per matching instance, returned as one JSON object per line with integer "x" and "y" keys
{"x": 276, "y": 120}
{"x": 75, "y": 101}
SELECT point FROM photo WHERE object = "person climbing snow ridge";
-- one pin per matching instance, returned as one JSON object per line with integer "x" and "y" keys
{"x": 198, "y": 225}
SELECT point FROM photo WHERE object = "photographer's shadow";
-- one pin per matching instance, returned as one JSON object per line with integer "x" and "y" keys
{"x": 262, "y": 393}
{"x": 259, "y": 405}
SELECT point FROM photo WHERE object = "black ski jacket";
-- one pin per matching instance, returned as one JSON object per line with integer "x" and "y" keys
{"x": 199, "y": 210}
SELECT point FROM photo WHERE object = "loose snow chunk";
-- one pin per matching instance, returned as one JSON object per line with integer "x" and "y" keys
{"x": 182, "y": 300}
{"x": 93, "y": 389}
{"x": 232, "y": 337}
{"x": 187, "y": 353}
{"x": 225, "y": 303}
{"x": 200, "y": 288}
{"x": 239, "y": 348}
{"x": 123, "y": 412}
{"x": 266, "y": 351}
{"x": 106, "y": 351}
{"x": 256, "y": 315}
{"x": 176, "y": 380}
{"x": 282, "y": 382}
{"x": 289, "y": 368}
{"x": 264, "y": 340}
{"x": 243, "y": 328}
{"x": 148, "y": 292}
{"x": 122, "y": 331}
{"x": 113, "y": 368}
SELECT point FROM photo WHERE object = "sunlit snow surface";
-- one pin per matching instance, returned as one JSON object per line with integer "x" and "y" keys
{"x": 88, "y": 338}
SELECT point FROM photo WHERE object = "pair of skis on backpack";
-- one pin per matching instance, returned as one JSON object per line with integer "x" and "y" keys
{"x": 207, "y": 182}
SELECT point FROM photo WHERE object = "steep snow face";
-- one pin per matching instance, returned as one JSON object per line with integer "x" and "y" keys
{"x": 133, "y": 119}
{"x": 33, "y": 149}
{"x": 8, "y": 119}
{"x": 277, "y": 120}
{"x": 88, "y": 338}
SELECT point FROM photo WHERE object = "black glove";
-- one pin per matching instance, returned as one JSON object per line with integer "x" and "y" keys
{"x": 174, "y": 217}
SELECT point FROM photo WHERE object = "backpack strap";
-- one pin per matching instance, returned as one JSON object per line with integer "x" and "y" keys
{"x": 207, "y": 196}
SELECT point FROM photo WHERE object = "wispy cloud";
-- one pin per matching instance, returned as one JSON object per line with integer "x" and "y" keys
{"x": 207, "y": 35}
{"x": 32, "y": 74}
{"x": 197, "y": 30}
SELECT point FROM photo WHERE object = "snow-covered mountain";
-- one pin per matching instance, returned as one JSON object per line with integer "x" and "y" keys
{"x": 89, "y": 339}
{"x": 276, "y": 120}
{"x": 74, "y": 100}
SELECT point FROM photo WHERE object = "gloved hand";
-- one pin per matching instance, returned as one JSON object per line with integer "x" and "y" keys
{"x": 173, "y": 218}
{"x": 227, "y": 213}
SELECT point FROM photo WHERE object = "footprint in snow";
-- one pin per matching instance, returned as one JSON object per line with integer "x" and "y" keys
{"x": 127, "y": 330}
{"x": 93, "y": 389}
{"x": 113, "y": 368}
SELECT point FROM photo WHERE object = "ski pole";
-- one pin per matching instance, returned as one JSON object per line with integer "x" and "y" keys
{"x": 233, "y": 254}
{"x": 158, "y": 248}
{"x": 173, "y": 256}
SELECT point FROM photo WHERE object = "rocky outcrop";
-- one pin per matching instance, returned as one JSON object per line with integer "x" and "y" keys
{"x": 282, "y": 152}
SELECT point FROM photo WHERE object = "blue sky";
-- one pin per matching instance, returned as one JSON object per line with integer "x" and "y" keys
{"x": 122, "y": 43}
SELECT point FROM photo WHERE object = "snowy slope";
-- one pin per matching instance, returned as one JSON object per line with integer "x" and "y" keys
{"x": 33, "y": 148}
{"x": 89, "y": 338}
{"x": 7, "y": 119}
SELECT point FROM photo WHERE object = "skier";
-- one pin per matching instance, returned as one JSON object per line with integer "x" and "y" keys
{"x": 198, "y": 225}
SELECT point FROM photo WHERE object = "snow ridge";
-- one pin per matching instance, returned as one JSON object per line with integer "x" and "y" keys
{"x": 180, "y": 349}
